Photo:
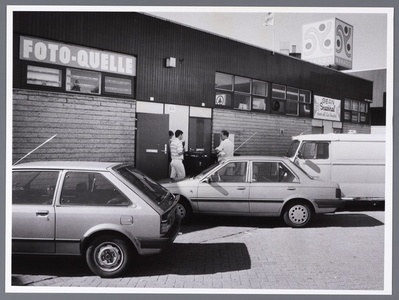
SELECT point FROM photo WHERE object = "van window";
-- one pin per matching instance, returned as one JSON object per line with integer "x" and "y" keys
{"x": 315, "y": 150}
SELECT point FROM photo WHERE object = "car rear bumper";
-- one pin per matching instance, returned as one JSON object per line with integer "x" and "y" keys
{"x": 149, "y": 246}
{"x": 332, "y": 203}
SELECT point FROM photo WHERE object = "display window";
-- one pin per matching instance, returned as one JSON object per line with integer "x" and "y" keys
{"x": 44, "y": 76}
{"x": 241, "y": 93}
{"x": 242, "y": 101}
{"x": 55, "y": 78}
{"x": 82, "y": 81}
{"x": 223, "y": 99}
{"x": 249, "y": 94}
{"x": 305, "y": 102}
{"x": 224, "y": 81}
{"x": 259, "y": 103}
{"x": 116, "y": 85}
{"x": 242, "y": 84}
{"x": 259, "y": 88}
{"x": 278, "y": 91}
{"x": 356, "y": 111}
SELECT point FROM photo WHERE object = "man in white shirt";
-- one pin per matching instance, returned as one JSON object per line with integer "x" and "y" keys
{"x": 225, "y": 150}
{"x": 177, "y": 155}
{"x": 226, "y": 147}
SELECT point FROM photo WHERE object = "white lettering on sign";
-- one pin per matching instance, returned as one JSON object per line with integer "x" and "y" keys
{"x": 75, "y": 56}
{"x": 327, "y": 108}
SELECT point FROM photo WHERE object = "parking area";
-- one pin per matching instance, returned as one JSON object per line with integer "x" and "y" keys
{"x": 341, "y": 251}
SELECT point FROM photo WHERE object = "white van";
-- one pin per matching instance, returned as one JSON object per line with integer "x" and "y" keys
{"x": 355, "y": 161}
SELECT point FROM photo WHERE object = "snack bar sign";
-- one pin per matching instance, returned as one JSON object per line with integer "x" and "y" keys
{"x": 327, "y": 108}
{"x": 75, "y": 56}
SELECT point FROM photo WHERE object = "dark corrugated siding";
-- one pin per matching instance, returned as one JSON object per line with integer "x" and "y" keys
{"x": 199, "y": 55}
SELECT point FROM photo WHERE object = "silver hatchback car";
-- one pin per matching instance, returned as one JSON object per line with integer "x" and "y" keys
{"x": 106, "y": 212}
{"x": 257, "y": 186}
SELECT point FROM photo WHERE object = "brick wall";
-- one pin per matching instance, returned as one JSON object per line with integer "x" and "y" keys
{"x": 87, "y": 127}
{"x": 268, "y": 140}
{"x": 358, "y": 127}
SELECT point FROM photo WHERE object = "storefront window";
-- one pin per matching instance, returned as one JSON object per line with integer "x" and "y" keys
{"x": 224, "y": 81}
{"x": 223, "y": 99}
{"x": 363, "y": 107}
{"x": 117, "y": 85}
{"x": 363, "y": 118}
{"x": 355, "y": 111}
{"x": 242, "y": 84}
{"x": 44, "y": 76}
{"x": 239, "y": 92}
{"x": 83, "y": 81}
{"x": 355, "y": 105}
{"x": 292, "y": 108}
{"x": 348, "y": 104}
{"x": 292, "y": 105}
{"x": 355, "y": 117}
{"x": 242, "y": 101}
{"x": 292, "y": 94}
{"x": 279, "y": 96}
{"x": 259, "y": 103}
{"x": 305, "y": 101}
{"x": 278, "y": 91}
{"x": 259, "y": 88}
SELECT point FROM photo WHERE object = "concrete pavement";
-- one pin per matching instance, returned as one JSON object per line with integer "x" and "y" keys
{"x": 342, "y": 251}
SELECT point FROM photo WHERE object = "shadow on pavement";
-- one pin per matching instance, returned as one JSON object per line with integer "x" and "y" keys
{"x": 195, "y": 259}
{"x": 342, "y": 219}
{"x": 49, "y": 265}
{"x": 345, "y": 220}
{"x": 180, "y": 259}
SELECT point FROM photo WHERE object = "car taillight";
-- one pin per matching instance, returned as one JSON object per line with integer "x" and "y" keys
{"x": 167, "y": 221}
{"x": 338, "y": 193}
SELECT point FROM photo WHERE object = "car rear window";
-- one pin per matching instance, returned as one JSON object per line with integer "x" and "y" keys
{"x": 153, "y": 190}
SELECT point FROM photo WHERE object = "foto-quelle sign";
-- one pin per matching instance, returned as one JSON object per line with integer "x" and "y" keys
{"x": 327, "y": 108}
{"x": 51, "y": 52}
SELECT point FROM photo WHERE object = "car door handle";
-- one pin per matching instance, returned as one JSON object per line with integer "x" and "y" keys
{"x": 291, "y": 188}
{"x": 240, "y": 188}
{"x": 42, "y": 213}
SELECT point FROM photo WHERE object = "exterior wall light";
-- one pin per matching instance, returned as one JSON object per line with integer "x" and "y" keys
{"x": 171, "y": 62}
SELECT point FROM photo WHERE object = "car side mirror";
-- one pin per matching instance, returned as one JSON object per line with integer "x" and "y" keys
{"x": 208, "y": 180}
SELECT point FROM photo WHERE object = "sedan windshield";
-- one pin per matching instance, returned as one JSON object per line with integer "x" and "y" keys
{"x": 292, "y": 149}
{"x": 202, "y": 174}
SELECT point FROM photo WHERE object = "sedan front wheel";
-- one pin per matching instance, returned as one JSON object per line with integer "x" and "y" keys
{"x": 297, "y": 214}
{"x": 184, "y": 210}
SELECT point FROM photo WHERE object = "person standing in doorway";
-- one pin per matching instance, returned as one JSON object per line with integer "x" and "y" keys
{"x": 171, "y": 135}
{"x": 177, "y": 155}
{"x": 226, "y": 147}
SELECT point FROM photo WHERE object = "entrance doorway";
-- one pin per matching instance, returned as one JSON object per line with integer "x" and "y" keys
{"x": 151, "y": 147}
{"x": 199, "y": 140}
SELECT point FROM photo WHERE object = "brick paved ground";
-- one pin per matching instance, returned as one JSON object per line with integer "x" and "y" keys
{"x": 344, "y": 251}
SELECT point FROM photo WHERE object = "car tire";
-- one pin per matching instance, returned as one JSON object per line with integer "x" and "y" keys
{"x": 297, "y": 214}
{"x": 185, "y": 211}
{"x": 108, "y": 256}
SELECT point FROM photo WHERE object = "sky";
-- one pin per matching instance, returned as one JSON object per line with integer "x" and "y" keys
{"x": 370, "y": 28}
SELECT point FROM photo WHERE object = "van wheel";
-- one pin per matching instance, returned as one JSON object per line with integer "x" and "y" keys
{"x": 184, "y": 210}
{"x": 108, "y": 256}
{"x": 297, "y": 214}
